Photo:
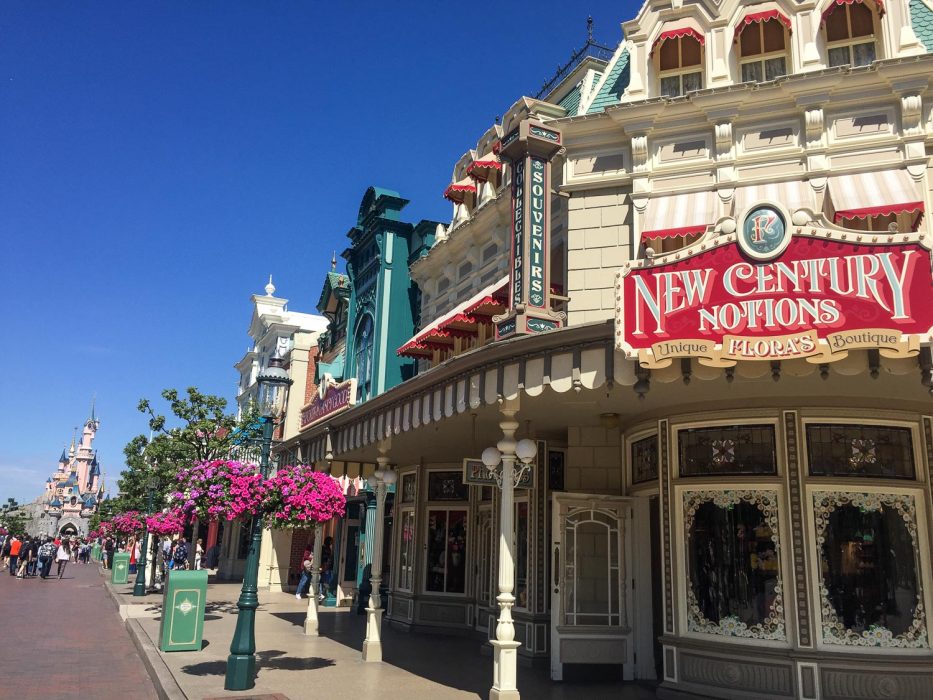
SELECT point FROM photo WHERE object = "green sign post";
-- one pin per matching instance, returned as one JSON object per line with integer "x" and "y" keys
{"x": 183, "y": 601}
{"x": 121, "y": 568}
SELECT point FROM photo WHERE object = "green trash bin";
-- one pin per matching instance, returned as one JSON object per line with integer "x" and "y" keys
{"x": 183, "y": 601}
{"x": 95, "y": 552}
{"x": 121, "y": 568}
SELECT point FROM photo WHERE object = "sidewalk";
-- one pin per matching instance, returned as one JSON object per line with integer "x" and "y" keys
{"x": 415, "y": 666}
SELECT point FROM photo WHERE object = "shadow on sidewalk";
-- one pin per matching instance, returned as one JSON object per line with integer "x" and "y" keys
{"x": 272, "y": 660}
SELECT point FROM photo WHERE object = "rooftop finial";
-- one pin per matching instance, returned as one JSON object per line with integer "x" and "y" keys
{"x": 93, "y": 418}
{"x": 589, "y": 28}
{"x": 73, "y": 438}
{"x": 333, "y": 262}
{"x": 270, "y": 288}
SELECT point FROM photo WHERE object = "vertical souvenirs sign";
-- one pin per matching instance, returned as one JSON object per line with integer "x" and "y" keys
{"x": 776, "y": 291}
{"x": 530, "y": 148}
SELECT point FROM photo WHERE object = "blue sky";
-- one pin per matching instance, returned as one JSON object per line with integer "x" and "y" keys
{"x": 159, "y": 160}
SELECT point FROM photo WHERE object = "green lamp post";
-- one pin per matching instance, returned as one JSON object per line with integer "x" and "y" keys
{"x": 139, "y": 588}
{"x": 241, "y": 663}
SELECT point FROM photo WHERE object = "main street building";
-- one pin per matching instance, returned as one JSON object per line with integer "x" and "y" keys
{"x": 697, "y": 274}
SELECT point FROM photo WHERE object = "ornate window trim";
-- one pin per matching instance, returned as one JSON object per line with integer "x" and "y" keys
{"x": 773, "y": 627}
{"x": 833, "y": 630}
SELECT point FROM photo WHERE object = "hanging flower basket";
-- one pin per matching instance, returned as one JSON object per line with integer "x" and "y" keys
{"x": 128, "y": 523}
{"x": 170, "y": 523}
{"x": 219, "y": 490}
{"x": 299, "y": 497}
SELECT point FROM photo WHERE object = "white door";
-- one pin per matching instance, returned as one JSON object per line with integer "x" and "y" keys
{"x": 590, "y": 564}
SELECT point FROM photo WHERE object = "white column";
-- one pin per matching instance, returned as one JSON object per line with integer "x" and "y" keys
{"x": 311, "y": 623}
{"x": 372, "y": 645}
{"x": 505, "y": 648}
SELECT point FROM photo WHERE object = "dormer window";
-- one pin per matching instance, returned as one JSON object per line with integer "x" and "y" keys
{"x": 850, "y": 34}
{"x": 680, "y": 61}
{"x": 762, "y": 39}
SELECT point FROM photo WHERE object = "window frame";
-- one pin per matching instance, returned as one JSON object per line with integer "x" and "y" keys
{"x": 850, "y": 42}
{"x": 681, "y": 71}
{"x": 447, "y": 507}
{"x": 763, "y": 56}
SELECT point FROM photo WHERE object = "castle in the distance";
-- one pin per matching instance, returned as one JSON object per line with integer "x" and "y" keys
{"x": 74, "y": 491}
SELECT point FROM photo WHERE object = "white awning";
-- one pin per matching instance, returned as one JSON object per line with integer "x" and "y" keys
{"x": 791, "y": 195}
{"x": 678, "y": 215}
{"x": 879, "y": 193}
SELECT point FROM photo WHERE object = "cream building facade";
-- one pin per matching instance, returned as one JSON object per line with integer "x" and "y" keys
{"x": 730, "y": 525}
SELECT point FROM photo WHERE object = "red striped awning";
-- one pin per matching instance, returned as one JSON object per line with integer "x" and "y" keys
{"x": 457, "y": 192}
{"x": 484, "y": 167}
{"x": 676, "y": 34}
{"x": 879, "y": 4}
{"x": 758, "y": 18}
{"x": 462, "y": 322}
{"x": 879, "y": 193}
{"x": 678, "y": 215}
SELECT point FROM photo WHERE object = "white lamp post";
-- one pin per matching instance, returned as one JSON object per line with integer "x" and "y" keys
{"x": 311, "y": 621}
{"x": 505, "y": 648}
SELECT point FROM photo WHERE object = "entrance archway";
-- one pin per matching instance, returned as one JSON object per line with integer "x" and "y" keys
{"x": 68, "y": 530}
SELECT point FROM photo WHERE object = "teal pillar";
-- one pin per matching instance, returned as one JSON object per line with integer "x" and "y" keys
{"x": 368, "y": 529}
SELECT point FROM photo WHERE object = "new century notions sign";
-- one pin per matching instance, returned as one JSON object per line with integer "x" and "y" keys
{"x": 821, "y": 293}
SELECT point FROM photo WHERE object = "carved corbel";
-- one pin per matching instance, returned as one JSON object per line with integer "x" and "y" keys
{"x": 639, "y": 153}
{"x": 813, "y": 119}
{"x": 723, "y": 132}
{"x": 911, "y": 113}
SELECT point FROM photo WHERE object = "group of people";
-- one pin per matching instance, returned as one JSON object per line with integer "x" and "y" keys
{"x": 307, "y": 567}
{"x": 33, "y": 556}
{"x": 175, "y": 553}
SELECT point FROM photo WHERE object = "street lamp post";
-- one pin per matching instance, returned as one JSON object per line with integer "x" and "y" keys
{"x": 505, "y": 648}
{"x": 241, "y": 663}
{"x": 139, "y": 589}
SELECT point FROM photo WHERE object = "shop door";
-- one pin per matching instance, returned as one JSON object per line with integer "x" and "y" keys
{"x": 483, "y": 568}
{"x": 591, "y": 562}
{"x": 349, "y": 561}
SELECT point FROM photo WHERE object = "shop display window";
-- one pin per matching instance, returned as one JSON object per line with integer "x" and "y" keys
{"x": 447, "y": 486}
{"x": 645, "y": 460}
{"x": 522, "y": 540}
{"x": 860, "y": 450}
{"x": 446, "y": 556}
{"x": 869, "y": 576}
{"x": 408, "y": 489}
{"x": 729, "y": 450}
{"x": 406, "y": 550}
{"x": 734, "y": 582}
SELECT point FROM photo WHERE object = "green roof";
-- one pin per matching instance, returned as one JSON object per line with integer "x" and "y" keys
{"x": 571, "y": 101}
{"x": 921, "y": 17}
{"x": 614, "y": 86}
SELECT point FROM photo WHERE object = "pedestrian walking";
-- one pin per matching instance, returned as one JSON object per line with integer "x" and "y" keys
{"x": 327, "y": 565}
{"x": 32, "y": 563}
{"x": 133, "y": 549}
{"x": 304, "y": 570}
{"x": 108, "y": 559}
{"x": 25, "y": 554}
{"x": 46, "y": 555}
{"x": 15, "y": 547}
{"x": 198, "y": 554}
{"x": 180, "y": 554}
{"x": 63, "y": 557}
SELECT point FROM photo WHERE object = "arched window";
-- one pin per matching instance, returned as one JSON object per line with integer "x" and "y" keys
{"x": 762, "y": 42}
{"x": 364, "y": 358}
{"x": 850, "y": 34}
{"x": 680, "y": 62}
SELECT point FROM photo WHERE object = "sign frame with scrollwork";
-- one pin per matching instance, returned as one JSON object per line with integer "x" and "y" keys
{"x": 815, "y": 292}
{"x": 331, "y": 398}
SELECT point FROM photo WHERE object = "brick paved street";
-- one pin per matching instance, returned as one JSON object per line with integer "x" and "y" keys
{"x": 64, "y": 639}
